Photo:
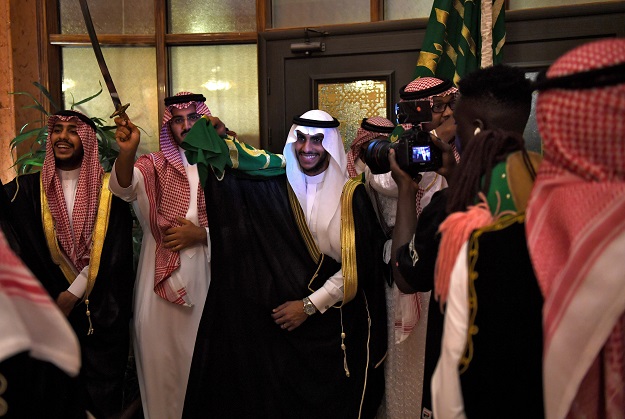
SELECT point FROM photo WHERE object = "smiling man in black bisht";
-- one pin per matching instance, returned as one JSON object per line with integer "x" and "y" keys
{"x": 79, "y": 241}
{"x": 288, "y": 330}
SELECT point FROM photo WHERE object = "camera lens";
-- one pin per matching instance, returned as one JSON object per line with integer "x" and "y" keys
{"x": 376, "y": 156}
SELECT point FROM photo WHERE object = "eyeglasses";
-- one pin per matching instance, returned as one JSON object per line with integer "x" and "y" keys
{"x": 439, "y": 107}
{"x": 180, "y": 120}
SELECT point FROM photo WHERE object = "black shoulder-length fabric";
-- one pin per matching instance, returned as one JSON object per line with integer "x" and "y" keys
{"x": 245, "y": 365}
{"x": 504, "y": 375}
{"x": 37, "y": 389}
{"x": 420, "y": 277}
{"x": 104, "y": 353}
{"x": 6, "y": 221}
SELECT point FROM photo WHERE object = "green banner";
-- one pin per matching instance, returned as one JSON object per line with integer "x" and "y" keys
{"x": 453, "y": 42}
{"x": 213, "y": 154}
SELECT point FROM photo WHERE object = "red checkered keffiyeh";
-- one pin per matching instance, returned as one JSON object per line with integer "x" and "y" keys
{"x": 29, "y": 319}
{"x": 168, "y": 192}
{"x": 424, "y": 84}
{"x": 363, "y": 136}
{"x": 76, "y": 242}
{"x": 576, "y": 233}
{"x": 426, "y": 88}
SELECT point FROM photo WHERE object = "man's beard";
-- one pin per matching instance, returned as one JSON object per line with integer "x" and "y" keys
{"x": 323, "y": 160}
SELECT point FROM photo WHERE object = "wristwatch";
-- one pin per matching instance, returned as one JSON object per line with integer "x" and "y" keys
{"x": 309, "y": 307}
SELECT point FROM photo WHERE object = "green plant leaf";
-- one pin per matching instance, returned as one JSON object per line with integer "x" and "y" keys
{"x": 47, "y": 94}
{"x": 36, "y": 106}
{"x": 41, "y": 108}
{"x": 87, "y": 99}
{"x": 23, "y": 137}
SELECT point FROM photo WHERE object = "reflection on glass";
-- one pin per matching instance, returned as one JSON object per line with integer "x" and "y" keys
{"x": 532, "y": 4}
{"x": 109, "y": 17}
{"x": 202, "y": 16}
{"x": 407, "y": 9}
{"x": 295, "y": 13}
{"x": 533, "y": 141}
{"x": 82, "y": 78}
{"x": 350, "y": 102}
{"x": 227, "y": 75}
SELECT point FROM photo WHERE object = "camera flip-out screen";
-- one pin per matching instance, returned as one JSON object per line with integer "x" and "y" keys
{"x": 421, "y": 154}
{"x": 413, "y": 111}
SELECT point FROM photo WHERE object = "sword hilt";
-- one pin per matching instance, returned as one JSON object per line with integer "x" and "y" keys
{"x": 121, "y": 111}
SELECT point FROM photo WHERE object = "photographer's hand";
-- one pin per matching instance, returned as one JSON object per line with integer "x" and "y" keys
{"x": 406, "y": 216}
{"x": 449, "y": 160}
{"x": 447, "y": 130}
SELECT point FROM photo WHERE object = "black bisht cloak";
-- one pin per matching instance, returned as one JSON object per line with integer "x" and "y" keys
{"x": 244, "y": 364}
{"x": 104, "y": 353}
{"x": 34, "y": 388}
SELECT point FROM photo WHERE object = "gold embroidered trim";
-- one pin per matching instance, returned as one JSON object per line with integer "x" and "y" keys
{"x": 99, "y": 233}
{"x": 472, "y": 329}
{"x": 300, "y": 219}
{"x": 348, "y": 242}
{"x": 49, "y": 230}
{"x": 4, "y": 406}
{"x": 427, "y": 188}
{"x": 310, "y": 288}
{"x": 97, "y": 240}
{"x": 364, "y": 388}
{"x": 234, "y": 153}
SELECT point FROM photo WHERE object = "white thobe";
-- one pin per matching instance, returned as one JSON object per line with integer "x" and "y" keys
{"x": 164, "y": 333}
{"x": 69, "y": 184}
{"x": 447, "y": 398}
{"x": 332, "y": 290}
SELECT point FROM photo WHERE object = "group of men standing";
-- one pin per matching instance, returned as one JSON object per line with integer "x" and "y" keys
{"x": 264, "y": 281}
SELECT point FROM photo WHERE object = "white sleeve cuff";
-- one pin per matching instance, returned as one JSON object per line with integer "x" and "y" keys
{"x": 127, "y": 194}
{"x": 79, "y": 286}
{"x": 330, "y": 294}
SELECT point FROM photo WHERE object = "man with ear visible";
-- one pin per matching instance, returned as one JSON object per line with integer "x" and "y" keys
{"x": 174, "y": 267}
{"x": 490, "y": 98}
{"x": 294, "y": 324}
{"x": 406, "y": 322}
{"x": 79, "y": 241}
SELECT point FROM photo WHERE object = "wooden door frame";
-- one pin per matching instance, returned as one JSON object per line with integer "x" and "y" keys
{"x": 534, "y": 39}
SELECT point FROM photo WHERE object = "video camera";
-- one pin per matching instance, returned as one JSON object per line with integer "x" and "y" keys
{"x": 414, "y": 150}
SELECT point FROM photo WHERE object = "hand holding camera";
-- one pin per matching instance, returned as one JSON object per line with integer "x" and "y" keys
{"x": 415, "y": 149}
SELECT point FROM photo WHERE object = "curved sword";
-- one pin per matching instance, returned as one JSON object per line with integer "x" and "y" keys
{"x": 120, "y": 110}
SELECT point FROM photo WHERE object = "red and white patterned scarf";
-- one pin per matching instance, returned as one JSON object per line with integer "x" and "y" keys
{"x": 29, "y": 319}
{"x": 363, "y": 136}
{"x": 576, "y": 237}
{"x": 424, "y": 83}
{"x": 168, "y": 192}
{"x": 76, "y": 241}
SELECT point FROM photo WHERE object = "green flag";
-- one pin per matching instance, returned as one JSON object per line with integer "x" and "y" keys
{"x": 454, "y": 38}
{"x": 213, "y": 154}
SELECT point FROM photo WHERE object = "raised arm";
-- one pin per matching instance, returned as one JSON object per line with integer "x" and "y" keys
{"x": 127, "y": 137}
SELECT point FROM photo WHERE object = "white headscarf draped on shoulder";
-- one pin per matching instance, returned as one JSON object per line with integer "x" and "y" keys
{"x": 167, "y": 188}
{"x": 30, "y": 320}
{"x": 328, "y": 237}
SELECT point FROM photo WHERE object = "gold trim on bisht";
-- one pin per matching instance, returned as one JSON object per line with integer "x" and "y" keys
{"x": 348, "y": 242}
{"x": 99, "y": 233}
{"x": 97, "y": 240}
{"x": 473, "y": 330}
{"x": 302, "y": 225}
{"x": 49, "y": 230}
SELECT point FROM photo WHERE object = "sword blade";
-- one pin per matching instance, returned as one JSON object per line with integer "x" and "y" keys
{"x": 100, "y": 58}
